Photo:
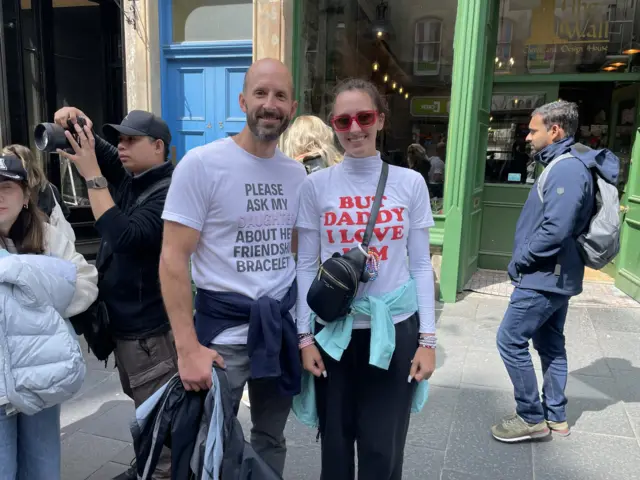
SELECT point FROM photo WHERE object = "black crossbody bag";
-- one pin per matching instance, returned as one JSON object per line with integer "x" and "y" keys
{"x": 336, "y": 284}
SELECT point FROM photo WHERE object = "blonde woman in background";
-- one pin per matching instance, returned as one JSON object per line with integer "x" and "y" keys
{"x": 310, "y": 141}
{"x": 44, "y": 194}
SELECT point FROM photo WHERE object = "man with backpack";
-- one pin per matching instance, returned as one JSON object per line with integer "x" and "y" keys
{"x": 127, "y": 187}
{"x": 565, "y": 224}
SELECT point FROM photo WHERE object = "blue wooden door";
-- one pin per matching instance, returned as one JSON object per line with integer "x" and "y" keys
{"x": 201, "y": 101}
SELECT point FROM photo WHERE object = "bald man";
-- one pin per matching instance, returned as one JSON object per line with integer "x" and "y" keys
{"x": 231, "y": 209}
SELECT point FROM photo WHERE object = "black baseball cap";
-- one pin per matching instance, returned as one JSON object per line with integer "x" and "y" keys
{"x": 11, "y": 168}
{"x": 139, "y": 124}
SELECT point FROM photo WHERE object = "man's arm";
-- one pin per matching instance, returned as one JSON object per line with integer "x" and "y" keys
{"x": 109, "y": 162}
{"x": 140, "y": 231}
{"x": 194, "y": 360}
{"x": 565, "y": 190}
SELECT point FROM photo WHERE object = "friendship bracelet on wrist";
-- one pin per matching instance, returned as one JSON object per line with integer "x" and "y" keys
{"x": 305, "y": 339}
{"x": 427, "y": 341}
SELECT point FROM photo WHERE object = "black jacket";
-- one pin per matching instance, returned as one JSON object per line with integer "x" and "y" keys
{"x": 181, "y": 421}
{"x": 129, "y": 254}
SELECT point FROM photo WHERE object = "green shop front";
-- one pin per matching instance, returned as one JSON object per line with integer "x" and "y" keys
{"x": 470, "y": 110}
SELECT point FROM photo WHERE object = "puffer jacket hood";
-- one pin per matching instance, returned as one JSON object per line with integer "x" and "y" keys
{"x": 41, "y": 363}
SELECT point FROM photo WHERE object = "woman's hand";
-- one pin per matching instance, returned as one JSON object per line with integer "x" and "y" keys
{"x": 423, "y": 364}
{"x": 312, "y": 361}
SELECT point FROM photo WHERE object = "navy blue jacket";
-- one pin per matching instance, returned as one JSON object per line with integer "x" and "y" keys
{"x": 545, "y": 254}
{"x": 272, "y": 342}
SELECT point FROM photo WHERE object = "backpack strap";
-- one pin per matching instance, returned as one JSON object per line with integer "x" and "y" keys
{"x": 156, "y": 187}
{"x": 543, "y": 176}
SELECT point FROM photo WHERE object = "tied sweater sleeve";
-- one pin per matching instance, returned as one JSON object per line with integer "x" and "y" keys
{"x": 306, "y": 269}
{"x": 421, "y": 271}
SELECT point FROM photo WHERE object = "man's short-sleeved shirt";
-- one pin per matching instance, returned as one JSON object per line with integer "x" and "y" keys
{"x": 245, "y": 209}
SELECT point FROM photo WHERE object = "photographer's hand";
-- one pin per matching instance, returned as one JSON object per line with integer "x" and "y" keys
{"x": 85, "y": 152}
{"x": 65, "y": 114}
{"x": 87, "y": 163}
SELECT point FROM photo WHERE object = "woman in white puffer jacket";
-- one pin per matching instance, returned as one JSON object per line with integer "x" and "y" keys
{"x": 41, "y": 363}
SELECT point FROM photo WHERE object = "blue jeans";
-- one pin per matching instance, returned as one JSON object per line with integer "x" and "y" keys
{"x": 30, "y": 445}
{"x": 537, "y": 316}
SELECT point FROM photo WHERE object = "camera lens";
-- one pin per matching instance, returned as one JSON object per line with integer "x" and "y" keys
{"x": 49, "y": 137}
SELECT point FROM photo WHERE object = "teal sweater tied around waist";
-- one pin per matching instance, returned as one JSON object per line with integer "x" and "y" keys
{"x": 336, "y": 336}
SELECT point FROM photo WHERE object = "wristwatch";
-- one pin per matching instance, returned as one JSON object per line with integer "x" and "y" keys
{"x": 97, "y": 182}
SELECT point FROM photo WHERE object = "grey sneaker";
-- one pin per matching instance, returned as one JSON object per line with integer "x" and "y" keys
{"x": 512, "y": 428}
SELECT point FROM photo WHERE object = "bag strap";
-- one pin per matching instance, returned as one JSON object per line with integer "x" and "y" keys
{"x": 55, "y": 200}
{"x": 382, "y": 182}
{"x": 543, "y": 176}
{"x": 156, "y": 187}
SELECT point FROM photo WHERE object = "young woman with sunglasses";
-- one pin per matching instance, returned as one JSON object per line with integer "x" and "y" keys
{"x": 363, "y": 396}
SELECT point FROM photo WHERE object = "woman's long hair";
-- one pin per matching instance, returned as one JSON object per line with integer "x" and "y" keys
{"x": 308, "y": 135}
{"x": 27, "y": 232}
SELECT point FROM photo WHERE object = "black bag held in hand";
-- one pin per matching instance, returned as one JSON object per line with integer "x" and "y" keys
{"x": 336, "y": 284}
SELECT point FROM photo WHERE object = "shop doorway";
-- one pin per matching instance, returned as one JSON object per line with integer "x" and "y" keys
{"x": 63, "y": 52}
{"x": 608, "y": 119}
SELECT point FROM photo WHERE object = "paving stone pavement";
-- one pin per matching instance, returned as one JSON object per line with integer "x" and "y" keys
{"x": 450, "y": 439}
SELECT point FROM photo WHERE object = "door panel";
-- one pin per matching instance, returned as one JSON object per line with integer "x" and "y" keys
{"x": 201, "y": 98}
{"x": 189, "y": 106}
{"x": 627, "y": 263}
{"x": 230, "y": 117}
{"x": 475, "y": 178}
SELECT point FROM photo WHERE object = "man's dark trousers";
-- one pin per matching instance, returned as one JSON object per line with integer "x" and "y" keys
{"x": 538, "y": 316}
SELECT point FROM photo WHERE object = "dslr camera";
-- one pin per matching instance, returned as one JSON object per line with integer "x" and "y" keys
{"x": 50, "y": 136}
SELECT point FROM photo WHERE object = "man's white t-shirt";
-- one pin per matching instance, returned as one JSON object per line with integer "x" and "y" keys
{"x": 245, "y": 209}
{"x": 336, "y": 202}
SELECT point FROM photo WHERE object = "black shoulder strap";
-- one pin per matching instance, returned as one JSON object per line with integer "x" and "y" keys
{"x": 156, "y": 187}
{"x": 104, "y": 253}
{"x": 382, "y": 182}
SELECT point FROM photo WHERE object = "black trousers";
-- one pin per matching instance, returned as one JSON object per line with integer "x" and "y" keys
{"x": 361, "y": 404}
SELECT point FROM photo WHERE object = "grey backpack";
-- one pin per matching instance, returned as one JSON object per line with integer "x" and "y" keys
{"x": 600, "y": 243}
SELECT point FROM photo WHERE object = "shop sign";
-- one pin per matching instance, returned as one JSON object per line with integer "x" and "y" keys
{"x": 585, "y": 22}
{"x": 430, "y": 106}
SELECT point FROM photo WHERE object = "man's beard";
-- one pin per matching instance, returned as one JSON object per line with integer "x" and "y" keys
{"x": 270, "y": 133}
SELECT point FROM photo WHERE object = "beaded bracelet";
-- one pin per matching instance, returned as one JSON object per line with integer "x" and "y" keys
{"x": 427, "y": 342}
{"x": 305, "y": 339}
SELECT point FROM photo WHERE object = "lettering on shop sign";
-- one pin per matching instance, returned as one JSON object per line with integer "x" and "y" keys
{"x": 263, "y": 241}
{"x": 347, "y": 225}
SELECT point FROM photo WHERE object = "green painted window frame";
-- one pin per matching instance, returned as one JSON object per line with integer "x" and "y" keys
{"x": 568, "y": 77}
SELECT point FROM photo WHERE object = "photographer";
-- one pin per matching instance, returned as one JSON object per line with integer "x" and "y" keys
{"x": 127, "y": 189}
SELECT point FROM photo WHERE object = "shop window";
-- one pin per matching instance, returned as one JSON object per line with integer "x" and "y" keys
{"x": 212, "y": 20}
{"x": 504, "y": 59}
{"x": 412, "y": 68}
{"x": 560, "y": 36}
{"x": 428, "y": 37}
